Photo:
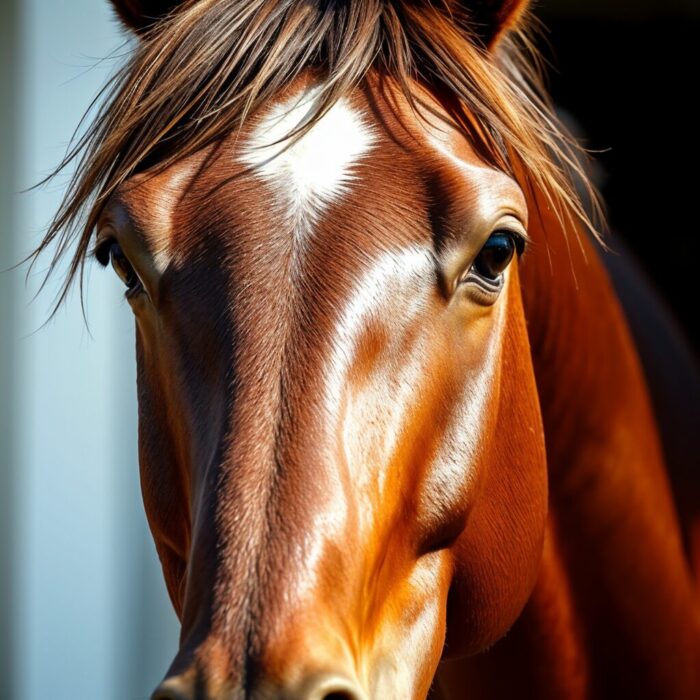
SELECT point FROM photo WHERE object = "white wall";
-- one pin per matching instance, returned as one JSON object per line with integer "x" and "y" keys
{"x": 88, "y": 611}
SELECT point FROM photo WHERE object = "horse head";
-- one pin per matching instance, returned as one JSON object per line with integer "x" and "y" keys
{"x": 341, "y": 446}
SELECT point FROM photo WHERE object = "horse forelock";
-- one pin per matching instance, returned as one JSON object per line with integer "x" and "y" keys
{"x": 195, "y": 78}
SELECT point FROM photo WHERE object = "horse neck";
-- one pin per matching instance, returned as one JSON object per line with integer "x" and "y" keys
{"x": 613, "y": 611}
{"x": 613, "y": 561}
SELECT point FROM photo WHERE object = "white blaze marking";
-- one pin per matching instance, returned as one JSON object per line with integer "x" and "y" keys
{"x": 408, "y": 275}
{"x": 316, "y": 169}
{"x": 402, "y": 274}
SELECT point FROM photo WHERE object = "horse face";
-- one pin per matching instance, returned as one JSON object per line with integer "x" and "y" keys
{"x": 340, "y": 442}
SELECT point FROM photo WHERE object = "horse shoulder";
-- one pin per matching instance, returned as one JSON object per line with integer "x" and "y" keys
{"x": 672, "y": 375}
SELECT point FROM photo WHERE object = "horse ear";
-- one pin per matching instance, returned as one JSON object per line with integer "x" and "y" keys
{"x": 494, "y": 18}
{"x": 138, "y": 15}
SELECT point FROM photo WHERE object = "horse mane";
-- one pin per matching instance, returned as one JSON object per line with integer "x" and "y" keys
{"x": 196, "y": 75}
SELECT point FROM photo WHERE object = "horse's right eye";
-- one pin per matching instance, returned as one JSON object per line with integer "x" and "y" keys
{"x": 496, "y": 254}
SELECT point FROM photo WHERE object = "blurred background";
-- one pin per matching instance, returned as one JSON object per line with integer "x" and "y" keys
{"x": 83, "y": 611}
{"x": 627, "y": 70}
{"x": 84, "y": 614}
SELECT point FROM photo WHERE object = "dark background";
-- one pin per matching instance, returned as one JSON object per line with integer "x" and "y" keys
{"x": 628, "y": 71}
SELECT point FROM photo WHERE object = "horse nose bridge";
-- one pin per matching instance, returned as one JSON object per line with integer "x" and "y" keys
{"x": 283, "y": 529}
{"x": 276, "y": 520}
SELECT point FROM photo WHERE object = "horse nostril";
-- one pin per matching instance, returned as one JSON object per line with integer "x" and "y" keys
{"x": 168, "y": 694}
{"x": 172, "y": 690}
{"x": 333, "y": 688}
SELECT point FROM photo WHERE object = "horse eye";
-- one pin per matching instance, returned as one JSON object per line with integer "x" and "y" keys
{"x": 120, "y": 264}
{"x": 496, "y": 255}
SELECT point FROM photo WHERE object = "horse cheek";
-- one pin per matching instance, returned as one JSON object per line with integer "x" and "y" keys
{"x": 497, "y": 557}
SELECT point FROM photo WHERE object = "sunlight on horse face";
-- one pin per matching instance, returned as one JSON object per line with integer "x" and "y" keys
{"x": 340, "y": 439}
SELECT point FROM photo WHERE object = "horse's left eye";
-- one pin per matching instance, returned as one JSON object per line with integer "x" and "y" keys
{"x": 496, "y": 255}
{"x": 112, "y": 252}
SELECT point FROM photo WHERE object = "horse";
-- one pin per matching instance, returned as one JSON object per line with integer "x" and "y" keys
{"x": 395, "y": 440}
